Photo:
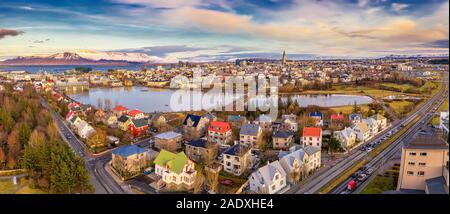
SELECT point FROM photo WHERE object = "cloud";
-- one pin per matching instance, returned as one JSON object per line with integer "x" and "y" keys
{"x": 40, "y": 41}
{"x": 399, "y": 7}
{"x": 438, "y": 44}
{"x": 363, "y": 3}
{"x": 162, "y": 51}
{"x": 9, "y": 32}
{"x": 163, "y": 3}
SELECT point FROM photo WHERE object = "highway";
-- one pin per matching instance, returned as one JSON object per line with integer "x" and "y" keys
{"x": 376, "y": 164}
{"x": 315, "y": 182}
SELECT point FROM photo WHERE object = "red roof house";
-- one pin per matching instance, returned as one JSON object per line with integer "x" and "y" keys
{"x": 219, "y": 126}
{"x": 312, "y": 132}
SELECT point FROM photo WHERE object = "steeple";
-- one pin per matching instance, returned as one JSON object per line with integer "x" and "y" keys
{"x": 284, "y": 57}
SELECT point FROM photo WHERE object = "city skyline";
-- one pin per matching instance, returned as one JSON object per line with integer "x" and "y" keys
{"x": 221, "y": 30}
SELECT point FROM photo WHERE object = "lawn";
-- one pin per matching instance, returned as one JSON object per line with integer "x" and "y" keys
{"x": 443, "y": 107}
{"x": 7, "y": 187}
{"x": 349, "y": 109}
{"x": 401, "y": 87}
{"x": 379, "y": 185}
{"x": 401, "y": 107}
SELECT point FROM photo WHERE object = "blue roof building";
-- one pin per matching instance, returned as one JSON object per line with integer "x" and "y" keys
{"x": 128, "y": 150}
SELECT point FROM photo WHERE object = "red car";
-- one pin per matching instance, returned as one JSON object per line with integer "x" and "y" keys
{"x": 226, "y": 182}
{"x": 351, "y": 185}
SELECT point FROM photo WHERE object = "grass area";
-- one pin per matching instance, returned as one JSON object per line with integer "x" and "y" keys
{"x": 401, "y": 107}
{"x": 382, "y": 183}
{"x": 379, "y": 185}
{"x": 348, "y": 109}
{"x": 342, "y": 177}
{"x": 12, "y": 172}
{"x": 237, "y": 183}
{"x": 7, "y": 187}
{"x": 352, "y": 90}
{"x": 401, "y": 87}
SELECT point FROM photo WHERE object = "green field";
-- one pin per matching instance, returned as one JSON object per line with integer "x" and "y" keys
{"x": 349, "y": 109}
{"x": 379, "y": 185}
{"x": 400, "y": 107}
{"x": 7, "y": 187}
{"x": 401, "y": 87}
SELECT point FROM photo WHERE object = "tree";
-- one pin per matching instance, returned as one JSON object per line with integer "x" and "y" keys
{"x": 24, "y": 133}
{"x": 199, "y": 179}
{"x": 97, "y": 140}
{"x": 212, "y": 179}
{"x": 14, "y": 150}
{"x": 334, "y": 145}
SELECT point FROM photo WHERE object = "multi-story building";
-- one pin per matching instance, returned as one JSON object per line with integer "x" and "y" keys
{"x": 170, "y": 141}
{"x": 219, "y": 132}
{"x": 269, "y": 179}
{"x": 282, "y": 139}
{"x": 424, "y": 165}
{"x": 194, "y": 126}
{"x": 265, "y": 122}
{"x": 129, "y": 160}
{"x": 346, "y": 137}
{"x": 201, "y": 150}
{"x": 312, "y": 136}
{"x": 250, "y": 135}
{"x": 236, "y": 159}
{"x": 175, "y": 169}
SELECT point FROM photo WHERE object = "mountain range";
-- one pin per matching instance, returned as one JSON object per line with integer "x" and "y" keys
{"x": 84, "y": 58}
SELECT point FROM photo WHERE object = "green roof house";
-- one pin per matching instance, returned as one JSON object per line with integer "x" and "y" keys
{"x": 175, "y": 168}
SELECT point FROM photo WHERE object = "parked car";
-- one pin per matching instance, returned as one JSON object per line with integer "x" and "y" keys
{"x": 226, "y": 182}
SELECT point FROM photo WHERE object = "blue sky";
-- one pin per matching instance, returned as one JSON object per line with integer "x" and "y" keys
{"x": 221, "y": 29}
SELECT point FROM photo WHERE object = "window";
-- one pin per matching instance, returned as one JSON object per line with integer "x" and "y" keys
{"x": 276, "y": 177}
{"x": 422, "y": 164}
{"x": 423, "y": 154}
{"x": 412, "y": 153}
{"x": 273, "y": 187}
{"x": 411, "y": 163}
{"x": 310, "y": 138}
{"x": 410, "y": 173}
{"x": 420, "y": 173}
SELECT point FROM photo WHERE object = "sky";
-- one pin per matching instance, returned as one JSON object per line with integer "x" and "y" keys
{"x": 224, "y": 29}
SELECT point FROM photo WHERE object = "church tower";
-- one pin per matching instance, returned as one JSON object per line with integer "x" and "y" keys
{"x": 284, "y": 57}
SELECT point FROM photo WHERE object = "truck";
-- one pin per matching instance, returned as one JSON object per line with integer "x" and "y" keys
{"x": 351, "y": 185}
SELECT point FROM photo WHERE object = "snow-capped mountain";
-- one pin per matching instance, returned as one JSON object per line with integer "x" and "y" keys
{"x": 130, "y": 57}
{"x": 85, "y": 57}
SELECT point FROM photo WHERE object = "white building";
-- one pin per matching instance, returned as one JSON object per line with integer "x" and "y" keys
{"x": 269, "y": 179}
{"x": 175, "y": 169}
{"x": 347, "y": 137}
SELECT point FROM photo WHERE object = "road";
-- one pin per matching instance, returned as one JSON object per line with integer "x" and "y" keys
{"x": 315, "y": 182}
{"x": 379, "y": 161}
{"x": 102, "y": 181}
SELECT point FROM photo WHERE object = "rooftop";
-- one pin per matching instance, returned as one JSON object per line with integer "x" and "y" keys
{"x": 249, "y": 129}
{"x": 168, "y": 135}
{"x": 237, "y": 150}
{"x": 128, "y": 150}
{"x": 426, "y": 142}
{"x": 312, "y": 131}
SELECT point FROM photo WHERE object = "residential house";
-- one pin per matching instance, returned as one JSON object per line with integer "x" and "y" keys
{"x": 312, "y": 160}
{"x": 138, "y": 127}
{"x": 129, "y": 160}
{"x": 381, "y": 121}
{"x": 170, "y": 141}
{"x": 312, "y": 136}
{"x": 219, "y": 132}
{"x": 157, "y": 120}
{"x": 123, "y": 122}
{"x": 347, "y": 137}
{"x": 175, "y": 169}
{"x": 362, "y": 131}
{"x": 290, "y": 125}
{"x": 265, "y": 122}
{"x": 110, "y": 119}
{"x": 269, "y": 179}
{"x": 292, "y": 164}
{"x": 318, "y": 117}
{"x": 337, "y": 120}
{"x": 355, "y": 118}
{"x": 282, "y": 140}
{"x": 292, "y": 117}
{"x": 424, "y": 165}
{"x": 372, "y": 125}
{"x": 236, "y": 159}
{"x": 250, "y": 135}
{"x": 135, "y": 114}
{"x": 236, "y": 120}
{"x": 120, "y": 110}
{"x": 201, "y": 150}
{"x": 194, "y": 126}
{"x": 84, "y": 130}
